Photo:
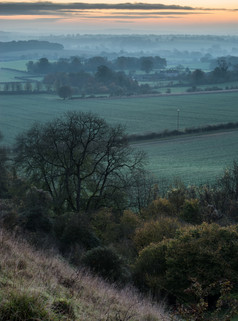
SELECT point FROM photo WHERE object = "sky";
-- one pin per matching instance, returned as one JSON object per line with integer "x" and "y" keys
{"x": 120, "y": 17}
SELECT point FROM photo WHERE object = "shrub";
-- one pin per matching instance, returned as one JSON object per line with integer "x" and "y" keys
{"x": 207, "y": 253}
{"x": 190, "y": 212}
{"x": 155, "y": 231}
{"x": 225, "y": 309}
{"x": 22, "y": 306}
{"x": 72, "y": 229}
{"x": 129, "y": 221}
{"x": 4, "y": 172}
{"x": 35, "y": 212}
{"x": 106, "y": 263}
{"x": 176, "y": 197}
{"x": 160, "y": 206}
{"x": 104, "y": 226}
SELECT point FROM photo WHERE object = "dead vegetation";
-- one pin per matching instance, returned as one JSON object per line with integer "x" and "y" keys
{"x": 44, "y": 279}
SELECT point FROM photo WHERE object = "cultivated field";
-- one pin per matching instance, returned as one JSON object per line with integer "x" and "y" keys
{"x": 139, "y": 115}
{"x": 14, "y": 64}
{"x": 10, "y": 75}
{"x": 194, "y": 158}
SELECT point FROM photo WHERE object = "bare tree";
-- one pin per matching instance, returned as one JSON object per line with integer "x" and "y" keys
{"x": 81, "y": 160}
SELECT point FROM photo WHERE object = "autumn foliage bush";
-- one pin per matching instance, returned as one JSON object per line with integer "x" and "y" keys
{"x": 207, "y": 253}
{"x": 155, "y": 231}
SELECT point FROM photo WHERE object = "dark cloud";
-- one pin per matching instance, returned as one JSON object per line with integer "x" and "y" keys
{"x": 49, "y": 8}
{"x": 140, "y": 15}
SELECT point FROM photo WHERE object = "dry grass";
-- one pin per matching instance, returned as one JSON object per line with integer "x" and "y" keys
{"x": 48, "y": 277}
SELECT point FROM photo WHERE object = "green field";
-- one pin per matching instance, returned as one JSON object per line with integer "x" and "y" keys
{"x": 15, "y": 64}
{"x": 140, "y": 115}
{"x": 192, "y": 65}
{"x": 14, "y": 75}
{"x": 10, "y": 75}
{"x": 197, "y": 159}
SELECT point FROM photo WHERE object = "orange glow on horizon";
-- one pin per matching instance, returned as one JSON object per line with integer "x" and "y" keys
{"x": 183, "y": 17}
{"x": 150, "y": 19}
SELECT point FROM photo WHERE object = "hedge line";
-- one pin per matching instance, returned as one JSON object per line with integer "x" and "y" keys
{"x": 192, "y": 130}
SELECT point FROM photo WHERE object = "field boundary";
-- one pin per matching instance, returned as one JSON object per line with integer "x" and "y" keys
{"x": 186, "y": 131}
{"x": 159, "y": 95}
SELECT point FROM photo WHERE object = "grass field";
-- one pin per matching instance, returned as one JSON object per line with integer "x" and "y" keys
{"x": 13, "y": 76}
{"x": 15, "y": 64}
{"x": 197, "y": 159}
{"x": 9, "y": 75}
{"x": 140, "y": 115}
{"x": 192, "y": 65}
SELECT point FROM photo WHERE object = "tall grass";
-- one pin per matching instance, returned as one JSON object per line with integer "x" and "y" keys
{"x": 48, "y": 288}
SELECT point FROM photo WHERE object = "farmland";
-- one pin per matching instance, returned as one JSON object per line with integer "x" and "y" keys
{"x": 14, "y": 64}
{"x": 194, "y": 158}
{"x": 11, "y": 75}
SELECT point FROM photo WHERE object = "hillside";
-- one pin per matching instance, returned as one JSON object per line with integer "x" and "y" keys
{"x": 42, "y": 286}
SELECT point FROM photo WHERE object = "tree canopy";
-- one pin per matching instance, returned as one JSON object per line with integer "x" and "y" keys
{"x": 81, "y": 160}
{"x": 65, "y": 92}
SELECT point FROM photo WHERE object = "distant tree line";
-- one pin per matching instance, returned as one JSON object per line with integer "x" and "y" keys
{"x": 22, "y": 87}
{"x": 29, "y": 45}
{"x": 225, "y": 69}
{"x": 104, "y": 81}
{"x": 78, "y": 64}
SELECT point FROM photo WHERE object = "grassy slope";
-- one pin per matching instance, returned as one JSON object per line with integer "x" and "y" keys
{"x": 48, "y": 278}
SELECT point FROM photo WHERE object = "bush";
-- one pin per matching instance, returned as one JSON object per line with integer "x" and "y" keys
{"x": 21, "y": 306}
{"x": 106, "y": 263}
{"x": 4, "y": 172}
{"x": 160, "y": 206}
{"x": 34, "y": 214}
{"x": 190, "y": 212}
{"x": 72, "y": 229}
{"x": 176, "y": 197}
{"x": 105, "y": 227}
{"x": 207, "y": 253}
{"x": 129, "y": 221}
{"x": 155, "y": 231}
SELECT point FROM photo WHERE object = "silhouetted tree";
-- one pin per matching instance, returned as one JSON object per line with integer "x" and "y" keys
{"x": 198, "y": 76}
{"x": 81, "y": 160}
{"x": 65, "y": 92}
{"x": 146, "y": 64}
{"x": 104, "y": 74}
